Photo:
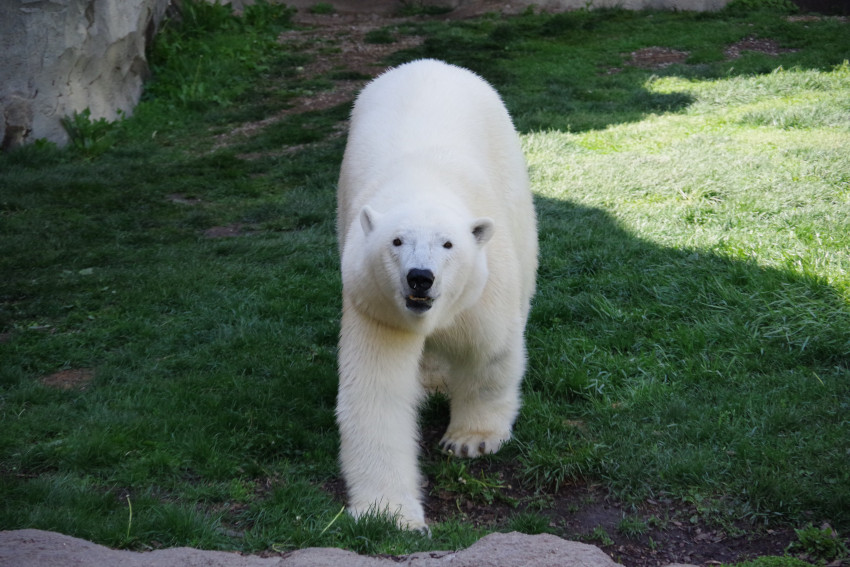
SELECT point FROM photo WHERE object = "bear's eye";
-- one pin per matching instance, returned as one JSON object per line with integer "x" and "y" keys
{"x": 448, "y": 244}
{"x": 397, "y": 242}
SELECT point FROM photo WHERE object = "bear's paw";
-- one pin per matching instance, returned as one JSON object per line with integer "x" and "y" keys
{"x": 470, "y": 444}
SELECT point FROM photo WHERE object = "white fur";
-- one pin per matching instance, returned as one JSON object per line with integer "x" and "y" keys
{"x": 432, "y": 159}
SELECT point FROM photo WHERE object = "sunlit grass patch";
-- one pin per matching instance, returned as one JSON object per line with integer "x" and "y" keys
{"x": 715, "y": 178}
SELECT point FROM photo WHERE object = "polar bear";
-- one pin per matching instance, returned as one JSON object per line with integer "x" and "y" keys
{"x": 438, "y": 244}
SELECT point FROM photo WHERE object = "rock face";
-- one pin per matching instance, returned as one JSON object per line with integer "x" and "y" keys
{"x": 35, "y": 548}
{"x": 58, "y": 57}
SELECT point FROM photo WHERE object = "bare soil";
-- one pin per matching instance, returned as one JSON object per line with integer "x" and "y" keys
{"x": 69, "y": 379}
{"x": 675, "y": 531}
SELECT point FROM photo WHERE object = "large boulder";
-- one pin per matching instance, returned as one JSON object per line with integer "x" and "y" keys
{"x": 59, "y": 57}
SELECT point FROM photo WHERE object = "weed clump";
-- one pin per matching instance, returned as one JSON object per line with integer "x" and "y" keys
{"x": 818, "y": 545}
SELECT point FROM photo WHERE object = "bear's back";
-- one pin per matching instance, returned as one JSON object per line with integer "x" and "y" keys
{"x": 424, "y": 108}
{"x": 427, "y": 103}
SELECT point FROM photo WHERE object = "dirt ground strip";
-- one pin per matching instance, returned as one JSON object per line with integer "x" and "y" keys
{"x": 337, "y": 42}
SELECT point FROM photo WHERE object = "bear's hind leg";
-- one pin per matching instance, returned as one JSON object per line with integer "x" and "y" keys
{"x": 485, "y": 400}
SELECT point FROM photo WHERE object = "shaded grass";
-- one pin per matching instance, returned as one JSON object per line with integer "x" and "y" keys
{"x": 690, "y": 335}
{"x": 571, "y": 72}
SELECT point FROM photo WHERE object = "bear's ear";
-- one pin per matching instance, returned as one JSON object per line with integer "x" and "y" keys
{"x": 368, "y": 218}
{"x": 482, "y": 230}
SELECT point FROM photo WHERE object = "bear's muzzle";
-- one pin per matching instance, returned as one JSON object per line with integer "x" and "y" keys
{"x": 420, "y": 282}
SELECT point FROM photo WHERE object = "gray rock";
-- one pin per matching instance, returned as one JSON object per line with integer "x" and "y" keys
{"x": 520, "y": 550}
{"x": 59, "y": 57}
{"x": 36, "y": 548}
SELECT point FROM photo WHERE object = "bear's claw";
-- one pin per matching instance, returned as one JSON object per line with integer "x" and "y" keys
{"x": 469, "y": 450}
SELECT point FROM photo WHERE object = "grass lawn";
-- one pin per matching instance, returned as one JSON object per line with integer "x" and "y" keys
{"x": 163, "y": 383}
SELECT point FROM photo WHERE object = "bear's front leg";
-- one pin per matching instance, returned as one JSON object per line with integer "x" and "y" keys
{"x": 377, "y": 407}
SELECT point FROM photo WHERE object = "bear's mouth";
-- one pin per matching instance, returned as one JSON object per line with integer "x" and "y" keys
{"x": 419, "y": 304}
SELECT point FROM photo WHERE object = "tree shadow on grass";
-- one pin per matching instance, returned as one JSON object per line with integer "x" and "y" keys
{"x": 589, "y": 69}
{"x": 683, "y": 370}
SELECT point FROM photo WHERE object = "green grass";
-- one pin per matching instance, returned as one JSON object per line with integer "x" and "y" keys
{"x": 690, "y": 335}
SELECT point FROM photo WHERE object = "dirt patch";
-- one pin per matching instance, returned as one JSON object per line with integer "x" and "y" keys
{"x": 338, "y": 46}
{"x": 229, "y": 231}
{"x": 658, "y": 531}
{"x": 70, "y": 379}
{"x": 656, "y": 57}
{"x": 655, "y": 532}
{"x": 182, "y": 199}
{"x": 757, "y": 45}
{"x": 817, "y": 18}
{"x": 346, "y": 44}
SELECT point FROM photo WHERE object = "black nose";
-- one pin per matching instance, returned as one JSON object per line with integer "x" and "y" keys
{"x": 420, "y": 280}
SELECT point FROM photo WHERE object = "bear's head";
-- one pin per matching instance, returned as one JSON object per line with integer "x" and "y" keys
{"x": 425, "y": 261}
